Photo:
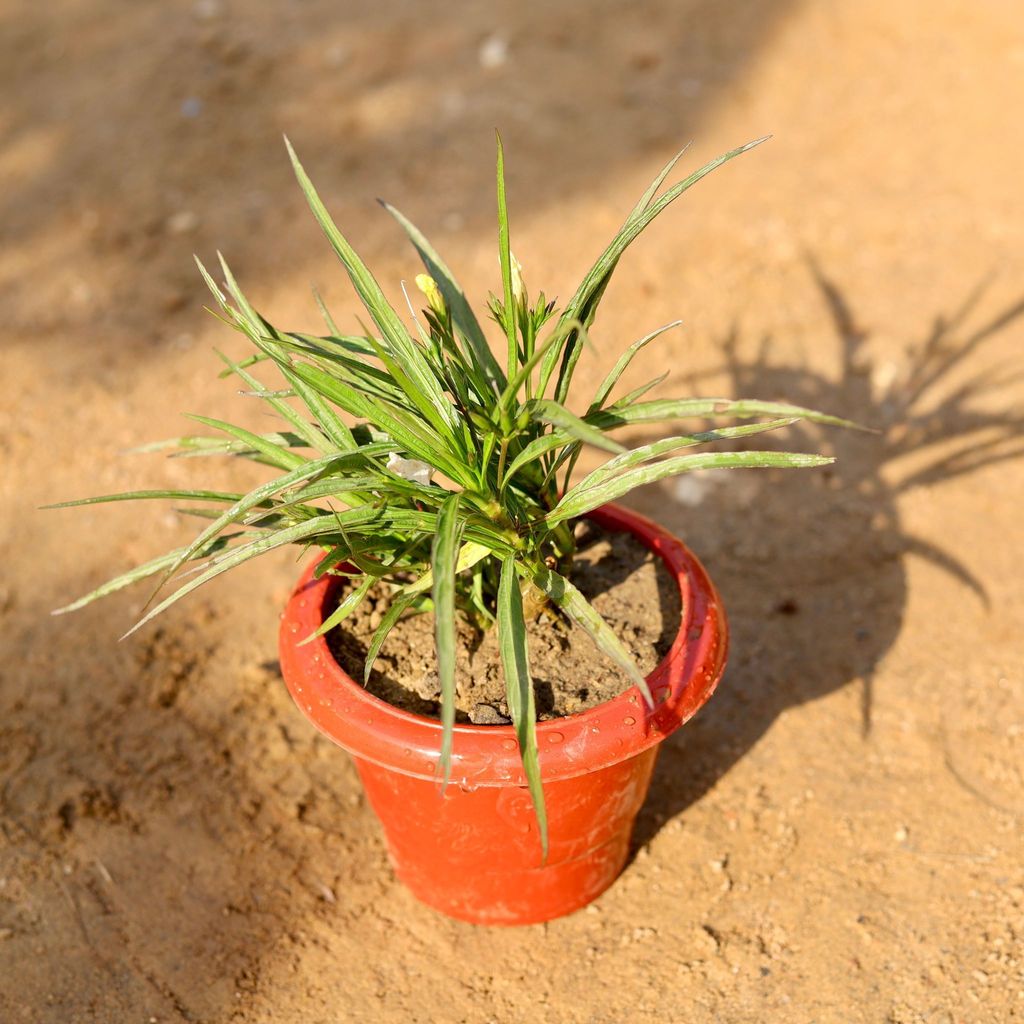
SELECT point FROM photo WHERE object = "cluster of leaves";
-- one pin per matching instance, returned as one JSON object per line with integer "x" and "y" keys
{"x": 455, "y": 480}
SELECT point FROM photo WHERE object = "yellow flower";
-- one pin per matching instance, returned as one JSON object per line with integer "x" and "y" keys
{"x": 435, "y": 300}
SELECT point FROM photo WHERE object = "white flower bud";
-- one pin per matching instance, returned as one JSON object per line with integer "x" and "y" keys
{"x": 410, "y": 469}
{"x": 518, "y": 285}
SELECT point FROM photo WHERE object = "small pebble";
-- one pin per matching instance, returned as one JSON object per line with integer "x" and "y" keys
{"x": 336, "y": 56}
{"x": 493, "y": 52}
{"x": 487, "y": 714}
{"x": 182, "y": 222}
{"x": 207, "y": 10}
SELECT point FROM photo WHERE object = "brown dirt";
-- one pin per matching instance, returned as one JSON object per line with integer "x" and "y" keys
{"x": 627, "y": 585}
{"x": 837, "y": 836}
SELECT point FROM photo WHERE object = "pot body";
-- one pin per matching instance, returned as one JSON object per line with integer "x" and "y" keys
{"x": 473, "y": 851}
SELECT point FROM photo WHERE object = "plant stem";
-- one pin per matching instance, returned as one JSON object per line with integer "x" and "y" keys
{"x": 501, "y": 461}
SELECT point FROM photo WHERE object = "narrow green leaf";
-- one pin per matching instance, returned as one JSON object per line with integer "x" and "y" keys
{"x": 638, "y": 456}
{"x": 463, "y": 317}
{"x": 519, "y": 687}
{"x": 652, "y": 191}
{"x": 505, "y": 258}
{"x": 143, "y": 495}
{"x": 322, "y": 525}
{"x": 414, "y": 436}
{"x": 580, "y": 611}
{"x": 329, "y": 420}
{"x": 547, "y": 411}
{"x": 547, "y": 350}
{"x": 391, "y": 327}
{"x": 141, "y": 572}
{"x": 443, "y": 561}
{"x": 198, "y": 445}
{"x": 623, "y": 362}
{"x": 399, "y": 604}
{"x": 307, "y": 431}
{"x": 325, "y": 312}
{"x": 469, "y": 555}
{"x": 577, "y": 502}
{"x": 533, "y": 451}
{"x": 281, "y": 457}
{"x": 683, "y": 408}
{"x": 352, "y": 600}
{"x": 583, "y": 305}
{"x": 634, "y": 396}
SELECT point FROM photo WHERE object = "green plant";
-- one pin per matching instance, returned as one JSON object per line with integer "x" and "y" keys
{"x": 492, "y": 536}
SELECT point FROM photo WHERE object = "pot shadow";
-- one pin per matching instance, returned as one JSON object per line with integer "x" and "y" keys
{"x": 810, "y": 565}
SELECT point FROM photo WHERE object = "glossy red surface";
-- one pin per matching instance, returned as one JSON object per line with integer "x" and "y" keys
{"x": 474, "y": 851}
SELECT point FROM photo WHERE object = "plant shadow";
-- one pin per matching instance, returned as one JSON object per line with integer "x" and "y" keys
{"x": 814, "y": 580}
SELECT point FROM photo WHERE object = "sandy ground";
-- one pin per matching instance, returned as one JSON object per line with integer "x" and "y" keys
{"x": 837, "y": 837}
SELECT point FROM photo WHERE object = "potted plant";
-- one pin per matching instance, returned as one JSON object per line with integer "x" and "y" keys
{"x": 433, "y": 477}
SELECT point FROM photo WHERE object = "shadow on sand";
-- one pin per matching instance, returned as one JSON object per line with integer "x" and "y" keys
{"x": 815, "y": 581}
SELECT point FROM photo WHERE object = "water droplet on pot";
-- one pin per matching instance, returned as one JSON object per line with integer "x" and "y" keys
{"x": 302, "y": 602}
{"x": 555, "y": 737}
{"x": 509, "y": 744}
{"x": 309, "y": 708}
{"x": 407, "y": 752}
{"x": 293, "y": 627}
{"x": 629, "y": 720}
{"x": 298, "y": 689}
{"x": 595, "y": 728}
{"x": 525, "y": 828}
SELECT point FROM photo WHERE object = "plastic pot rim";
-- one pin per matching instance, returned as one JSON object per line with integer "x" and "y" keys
{"x": 487, "y": 755}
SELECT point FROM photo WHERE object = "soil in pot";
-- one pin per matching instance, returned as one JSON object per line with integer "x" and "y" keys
{"x": 624, "y": 580}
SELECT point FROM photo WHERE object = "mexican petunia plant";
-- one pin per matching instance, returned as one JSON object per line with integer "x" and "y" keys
{"x": 411, "y": 456}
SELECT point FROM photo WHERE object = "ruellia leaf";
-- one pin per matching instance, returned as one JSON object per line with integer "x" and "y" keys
{"x": 519, "y": 687}
{"x": 579, "y": 501}
{"x": 443, "y": 562}
{"x": 463, "y": 316}
{"x": 664, "y": 410}
{"x": 546, "y": 410}
{"x": 656, "y": 449}
{"x": 221, "y": 496}
{"x": 144, "y": 571}
{"x": 567, "y": 597}
{"x": 346, "y": 606}
{"x": 605, "y": 388}
{"x": 505, "y": 260}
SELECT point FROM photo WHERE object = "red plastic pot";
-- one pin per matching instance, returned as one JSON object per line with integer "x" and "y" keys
{"x": 474, "y": 852}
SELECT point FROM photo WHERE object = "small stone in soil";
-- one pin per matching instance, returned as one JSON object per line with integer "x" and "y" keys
{"x": 487, "y": 714}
